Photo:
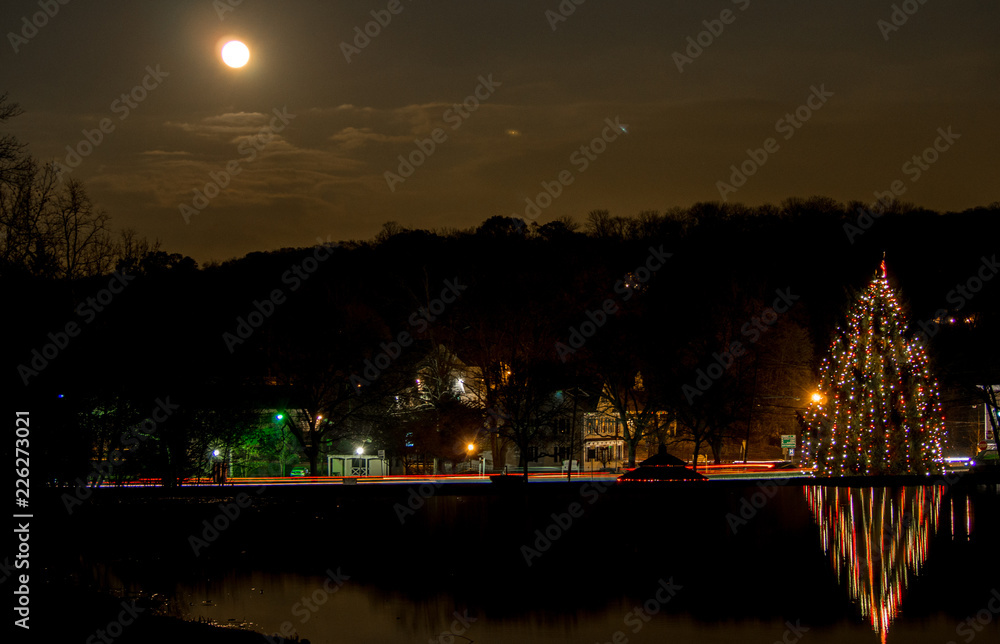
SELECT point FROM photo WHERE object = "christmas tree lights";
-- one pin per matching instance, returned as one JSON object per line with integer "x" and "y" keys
{"x": 879, "y": 411}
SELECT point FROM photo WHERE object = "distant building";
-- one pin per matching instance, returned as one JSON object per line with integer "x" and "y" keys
{"x": 603, "y": 441}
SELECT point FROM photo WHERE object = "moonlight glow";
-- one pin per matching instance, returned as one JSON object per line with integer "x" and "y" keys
{"x": 235, "y": 53}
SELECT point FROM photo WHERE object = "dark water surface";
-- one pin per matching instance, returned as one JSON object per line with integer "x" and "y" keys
{"x": 586, "y": 562}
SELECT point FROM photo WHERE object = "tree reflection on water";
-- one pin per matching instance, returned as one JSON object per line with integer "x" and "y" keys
{"x": 877, "y": 538}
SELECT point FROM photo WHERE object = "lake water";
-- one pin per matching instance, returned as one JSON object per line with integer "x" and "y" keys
{"x": 585, "y": 563}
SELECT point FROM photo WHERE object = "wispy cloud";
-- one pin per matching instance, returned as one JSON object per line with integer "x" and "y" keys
{"x": 165, "y": 153}
{"x": 229, "y": 124}
{"x": 351, "y": 138}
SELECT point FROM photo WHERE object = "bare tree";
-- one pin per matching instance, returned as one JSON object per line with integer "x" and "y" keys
{"x": 633, "y": 405}
{"x": 48, "y": 228}
{"x": 519, "y": 378}
{"x": 130, "y": 251}
{"x": 80, "y": 234}
{"x": 28, "y": 199}
{"x": 11, "y": 150}
{"x": 322, "y": 405}
{"x": 390, "y": 229}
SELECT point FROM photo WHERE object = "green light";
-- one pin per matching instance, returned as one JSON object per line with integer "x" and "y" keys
{"x": 279, "y": 417}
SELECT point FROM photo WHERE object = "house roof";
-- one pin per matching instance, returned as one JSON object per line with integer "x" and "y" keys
{"x": 662, "y": 474}
{"x": 661, "y": 459}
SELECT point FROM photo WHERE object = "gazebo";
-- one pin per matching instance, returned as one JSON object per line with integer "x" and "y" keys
{"x": 662, "y": 467}
{"x": 662, "y": 459}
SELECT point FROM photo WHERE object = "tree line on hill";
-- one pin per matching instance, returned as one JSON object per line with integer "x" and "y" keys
{"x": 700, "y": 328}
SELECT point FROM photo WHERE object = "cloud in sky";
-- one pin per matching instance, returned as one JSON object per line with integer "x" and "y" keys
{"x": 324, "y": 174}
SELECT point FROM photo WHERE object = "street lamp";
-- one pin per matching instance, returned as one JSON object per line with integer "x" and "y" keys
{"x": 278, "y": 418}
{"x": 217, "y": 468}
{"x": 576, "y": 392}
{"x": 358, "y": 467}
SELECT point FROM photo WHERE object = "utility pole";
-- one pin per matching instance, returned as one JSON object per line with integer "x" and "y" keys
{"x": 753, "y": 394}
{"x": 572, "y": 433}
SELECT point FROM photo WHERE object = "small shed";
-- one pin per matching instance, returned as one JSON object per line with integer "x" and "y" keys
{"x": 356, "y": 465}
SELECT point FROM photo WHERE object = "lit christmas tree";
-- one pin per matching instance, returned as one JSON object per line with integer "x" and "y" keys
{"x": 879, "y": 411}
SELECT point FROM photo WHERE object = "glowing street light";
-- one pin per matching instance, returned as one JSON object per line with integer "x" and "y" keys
{"x": 215, "y": 453}
{"x": 471, "y": 447}
{"x": 817, "y": 397}
{"x": 359, "y": 451}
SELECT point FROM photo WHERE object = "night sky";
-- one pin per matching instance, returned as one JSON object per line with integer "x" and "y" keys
{"x": 874, "y": 96}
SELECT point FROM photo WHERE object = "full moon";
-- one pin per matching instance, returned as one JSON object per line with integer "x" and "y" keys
{"x": 235, "y": 53}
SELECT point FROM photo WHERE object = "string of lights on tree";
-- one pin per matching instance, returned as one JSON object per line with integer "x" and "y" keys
{"x": 879, "y": 411}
